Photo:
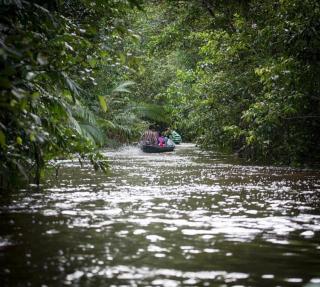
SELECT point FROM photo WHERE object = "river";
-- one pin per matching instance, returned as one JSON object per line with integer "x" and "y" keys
{"x": 187, "y": 218}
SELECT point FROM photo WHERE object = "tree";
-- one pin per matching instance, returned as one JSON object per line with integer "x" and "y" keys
{"x": 49, "y": 51}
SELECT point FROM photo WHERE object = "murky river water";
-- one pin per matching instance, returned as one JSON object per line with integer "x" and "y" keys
{"x": 185, "y": 218}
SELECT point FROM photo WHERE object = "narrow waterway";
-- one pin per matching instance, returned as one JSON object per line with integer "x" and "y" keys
{"x": 187, "y": 218}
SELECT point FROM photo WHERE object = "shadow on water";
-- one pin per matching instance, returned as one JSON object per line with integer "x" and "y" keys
{"x": 187, "y": 218}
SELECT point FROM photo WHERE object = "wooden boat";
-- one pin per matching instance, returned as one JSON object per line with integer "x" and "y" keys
{"x": 156, "y": 149}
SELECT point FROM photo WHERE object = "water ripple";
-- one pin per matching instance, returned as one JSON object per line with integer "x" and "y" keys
{"x": 184, "y": 218}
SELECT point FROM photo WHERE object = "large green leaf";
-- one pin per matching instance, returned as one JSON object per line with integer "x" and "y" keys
{"x": 103, "y": 103}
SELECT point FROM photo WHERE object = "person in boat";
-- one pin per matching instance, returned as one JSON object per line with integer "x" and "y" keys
{"x": 169, "y": 143}
{"x": 167, "y": 132}
{"x": 171, "y": 136}
{"x": 175, "y": 137}
{"x": 150, "y": 137}
{"x": 161, "y": 140}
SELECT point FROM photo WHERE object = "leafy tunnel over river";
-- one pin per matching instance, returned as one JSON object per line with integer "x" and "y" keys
{"x": 79, "y": 78}
{"x": 187, "y": 218}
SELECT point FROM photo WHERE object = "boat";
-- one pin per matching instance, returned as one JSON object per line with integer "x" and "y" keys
{"x": 176, "y": 138}
{"x": 156, "y": 149}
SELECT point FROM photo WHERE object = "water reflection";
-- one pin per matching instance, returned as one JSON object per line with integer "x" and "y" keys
{"x": 178, "y": 219}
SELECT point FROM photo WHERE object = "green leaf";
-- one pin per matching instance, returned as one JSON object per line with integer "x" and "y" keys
{"x": 74, "y": 124}
{"x": 122, "y": 58}
{"x": 136, "y": 38}
{"x": 104, "y": 54}
{"x": 92, "y": 63}
{"x": 92, "y": 133}
{"x": 103, "y": 103}
{"x": 32, "y": 137}
{"x": 19, "y": 140}
{"x": 67, "y": 94}
{"x": 35, "y": 95}
{"x": 71, "y": 84}
{"x": 123, "y": 87}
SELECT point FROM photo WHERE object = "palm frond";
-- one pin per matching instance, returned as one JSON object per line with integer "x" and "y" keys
{"x": 123, "y": 87}
{"x": 71, "y": 84}
{"x": 74, "y": 124}
{"x": 84, "y": 114}
{"x": 106, "y": 124}
{"x": 151, "y": 112}
{"x": 85, "y": 123}
{"x": 127, "y": 117}
{"x": 93, "y": 133}
{"x": 125, "y": 123}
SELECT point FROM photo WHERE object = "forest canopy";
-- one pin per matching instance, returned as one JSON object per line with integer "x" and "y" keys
{"x": 234, "y": 76}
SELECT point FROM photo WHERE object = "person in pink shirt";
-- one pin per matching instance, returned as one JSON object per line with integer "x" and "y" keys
{"x": 161, "y": 141}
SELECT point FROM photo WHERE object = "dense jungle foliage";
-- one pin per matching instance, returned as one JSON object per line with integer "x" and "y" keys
{"x": 235, "y": 76}
{"x": 238, "y": 76}
{"x": 53, "y": 53}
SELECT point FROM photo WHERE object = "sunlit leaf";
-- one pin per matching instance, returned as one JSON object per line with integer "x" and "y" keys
{"x": 92, "y": 62}
{"x": 19, "y": 140}
{"x": 103, "y": 103}
{"x": 32, "y": 137}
